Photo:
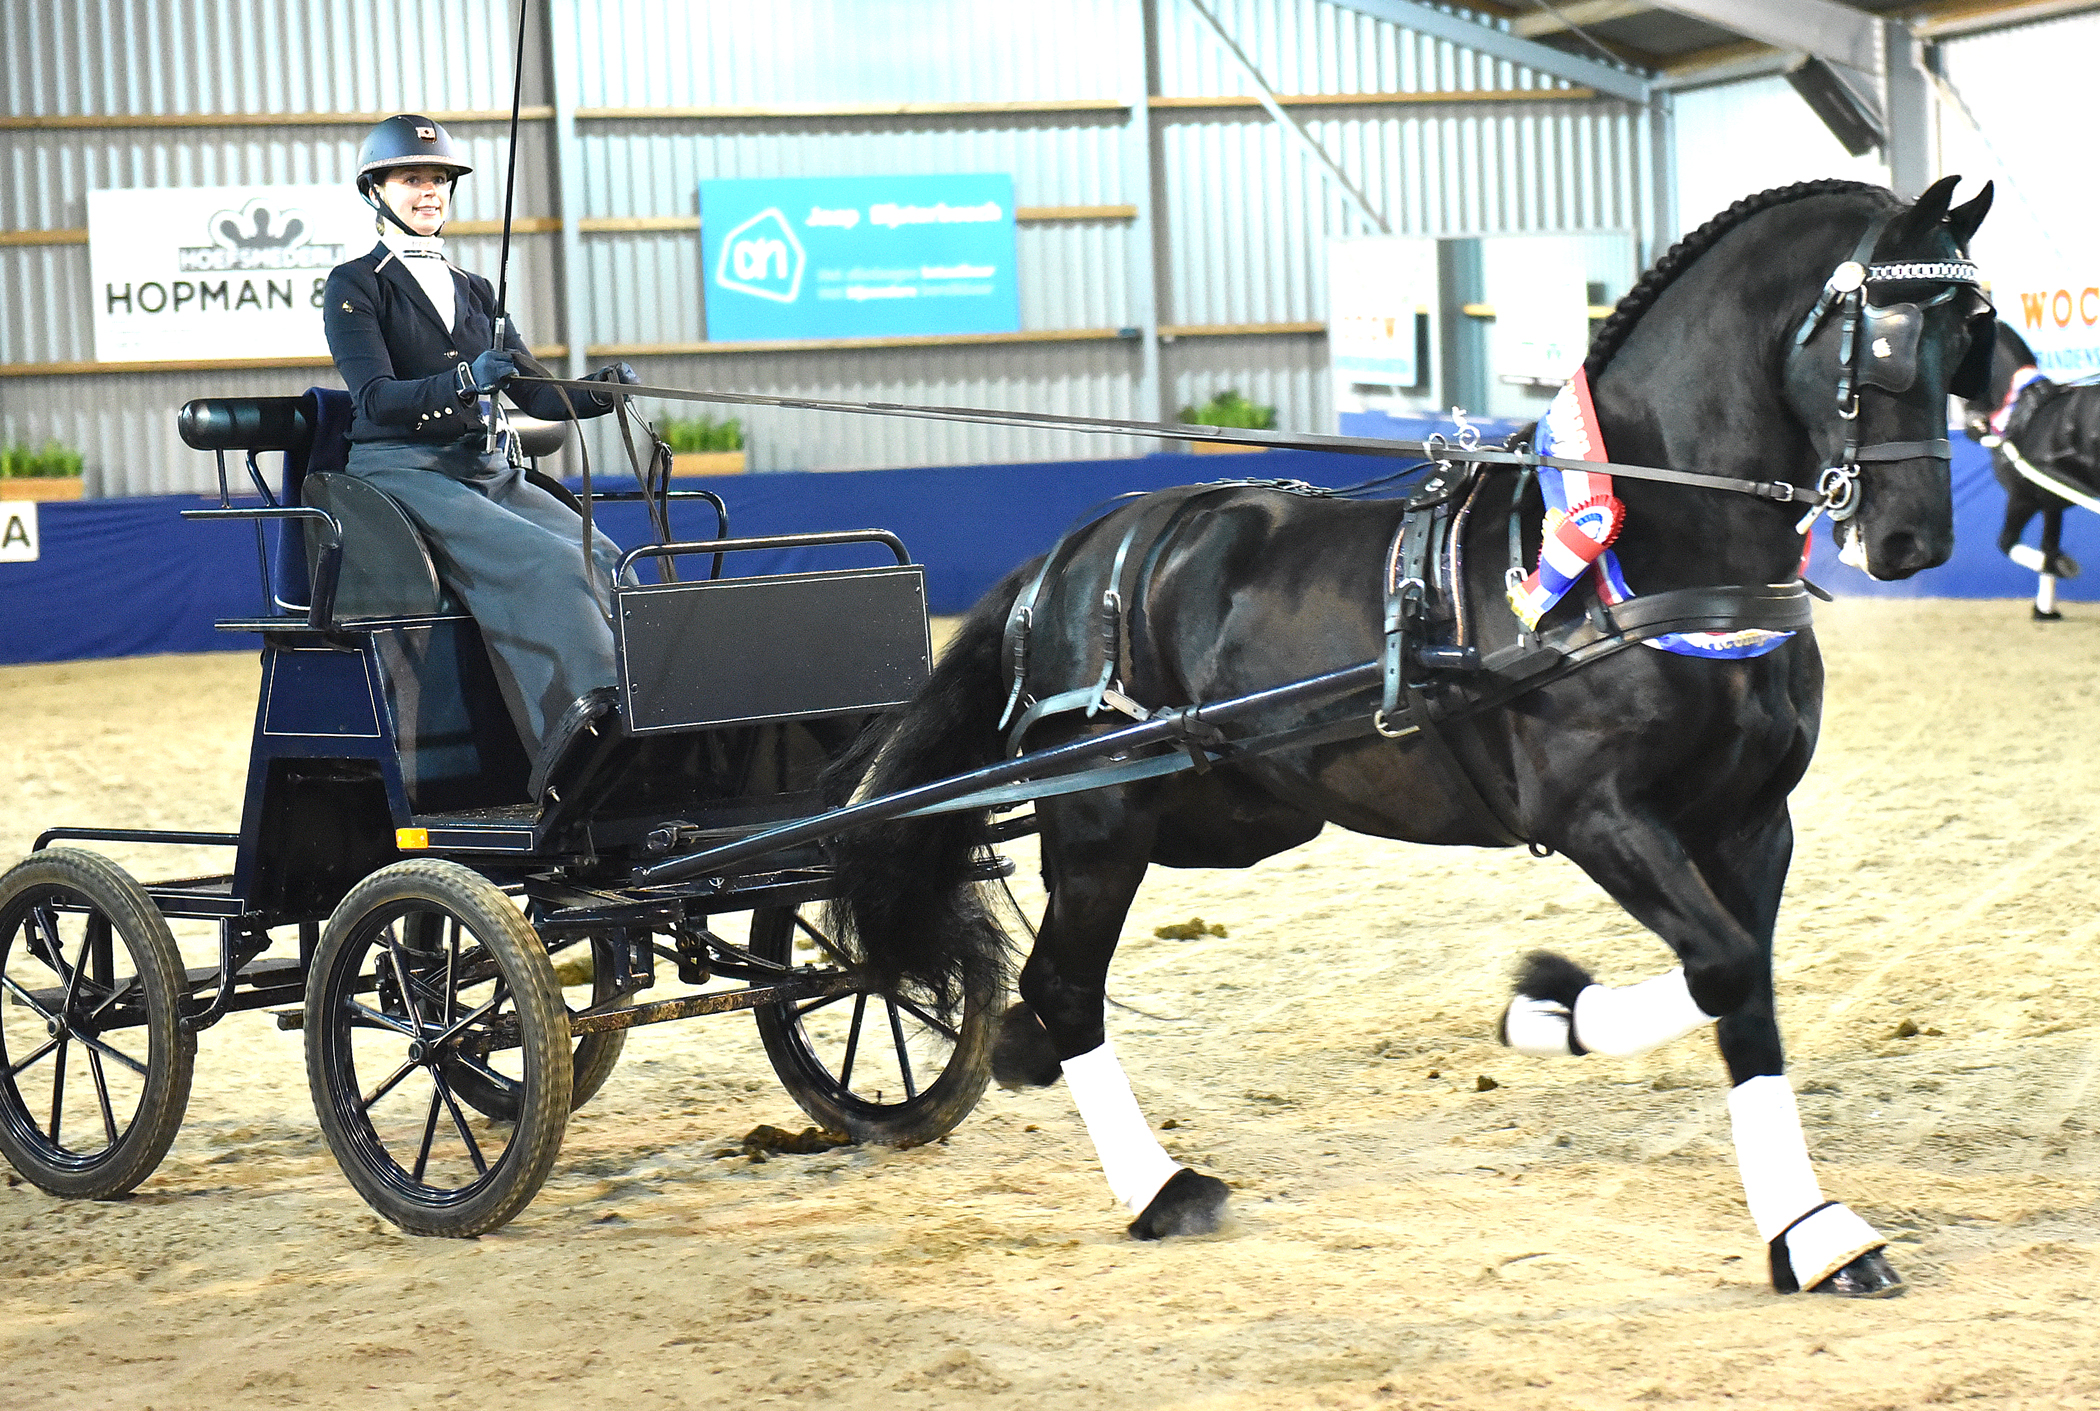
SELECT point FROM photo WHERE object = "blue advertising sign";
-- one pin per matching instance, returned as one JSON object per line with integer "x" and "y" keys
{"x": 858, "y": 256}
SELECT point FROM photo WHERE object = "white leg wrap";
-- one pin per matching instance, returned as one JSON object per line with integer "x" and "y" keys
{"x": 1537, "y": 1027}
{"x": 1781, "y": 1187}
{"x": 2045, "y": 593}
{"x": 1131, "y": 1157}
{"x": 1639, "y": 1017}
{"x": 2027, "y": 556}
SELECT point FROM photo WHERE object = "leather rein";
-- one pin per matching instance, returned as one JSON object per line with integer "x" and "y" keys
{"x": 1416, "y": 670}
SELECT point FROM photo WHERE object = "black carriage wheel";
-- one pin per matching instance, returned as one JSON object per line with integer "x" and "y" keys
{"x": 595, "y": 1058}
{"x": 386, "y": 1020}
{"x": 94, "y": 1062}
{"x": 877, "y": 1067}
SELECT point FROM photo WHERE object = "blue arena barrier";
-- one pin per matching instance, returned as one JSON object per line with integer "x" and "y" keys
{"x": 131, "y": 577}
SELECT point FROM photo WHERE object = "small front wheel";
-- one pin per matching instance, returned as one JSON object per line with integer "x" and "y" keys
{"x": 94, "y": 1062}
{"x": 878, "y": 1067}
{"x": 427, "y": 970}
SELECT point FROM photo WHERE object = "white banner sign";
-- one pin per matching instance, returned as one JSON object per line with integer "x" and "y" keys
{"x": 212, "y": 272}
{"x": 1537, "y": 286}
{"x": 2057, "y": 312}
{"x": 18, "y": 537}
{"x": 1376, "y": 287}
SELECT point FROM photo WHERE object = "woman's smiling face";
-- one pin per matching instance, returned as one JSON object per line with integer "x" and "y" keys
{"x": 421, "y": 196}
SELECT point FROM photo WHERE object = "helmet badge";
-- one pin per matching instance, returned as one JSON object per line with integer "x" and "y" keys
{"x": 428, "y": 134}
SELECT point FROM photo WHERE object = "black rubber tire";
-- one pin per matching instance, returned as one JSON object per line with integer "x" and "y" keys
{"x": 356, "y": 1012}
{"x": 863, "y": 1091}
{"x": 83, "y": 898}
{"x": 595, "y": 1057}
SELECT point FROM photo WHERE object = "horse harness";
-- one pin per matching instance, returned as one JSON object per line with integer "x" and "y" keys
{"x": 1878, "y": 347}
{"x": 1431, "y": 673}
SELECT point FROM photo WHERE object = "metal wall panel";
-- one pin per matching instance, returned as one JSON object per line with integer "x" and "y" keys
{"x": 1243, "y": 221}
{"x": 2029, "y": 88}
{"x": 1736, "y": 139}
{"x": 827, "y": 53}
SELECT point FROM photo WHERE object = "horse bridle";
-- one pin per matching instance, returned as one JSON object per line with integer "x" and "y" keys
{"x": 1890, "y": 333}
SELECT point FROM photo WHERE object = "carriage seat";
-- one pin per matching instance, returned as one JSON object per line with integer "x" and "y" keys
{"x": 387, "y": 570}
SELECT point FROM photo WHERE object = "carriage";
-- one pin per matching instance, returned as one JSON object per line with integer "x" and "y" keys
{"x": 464, "y": 964}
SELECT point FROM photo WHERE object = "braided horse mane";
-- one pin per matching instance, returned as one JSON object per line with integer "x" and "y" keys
{"x": 1649, "y": 288}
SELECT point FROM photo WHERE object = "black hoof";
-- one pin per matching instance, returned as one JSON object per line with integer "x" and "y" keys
{"x": 2040, "y": 616}
{"x": 1869, "y": 1276}
{"x": 1022, "y": 1055}
{"x": 2064, "y": 566}
{"x": 1188, "y": 1204}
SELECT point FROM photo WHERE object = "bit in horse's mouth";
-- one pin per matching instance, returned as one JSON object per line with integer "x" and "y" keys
{"x": 1852, "y": 548}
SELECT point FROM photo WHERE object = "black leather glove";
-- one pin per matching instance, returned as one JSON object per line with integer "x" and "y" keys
{"x": 489, "y": 371}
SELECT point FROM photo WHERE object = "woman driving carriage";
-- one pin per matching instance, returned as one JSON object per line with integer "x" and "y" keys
{"x": 414, "y": 339}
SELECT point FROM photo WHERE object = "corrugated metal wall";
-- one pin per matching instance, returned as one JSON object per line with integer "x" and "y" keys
{"x": 2029, "y": 89}
{"x": 1242, "y": 213}
{"x": 1734, "y": 139}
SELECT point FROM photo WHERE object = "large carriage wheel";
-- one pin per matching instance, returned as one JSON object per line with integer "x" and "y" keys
{"x": 595, "y": 1058}
{"x": 877, "y": 1067}
{"x": 94, "y": 1062}
{"x": 427, "y": 968}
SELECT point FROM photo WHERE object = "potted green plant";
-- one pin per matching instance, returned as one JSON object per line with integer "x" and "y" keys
{"x": 1231, "y": 409}
{"x": 700, "y": 445}
{"x": 47, "y": 472}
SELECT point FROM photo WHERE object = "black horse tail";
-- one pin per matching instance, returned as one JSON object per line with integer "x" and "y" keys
{"x": 906, "y": 903}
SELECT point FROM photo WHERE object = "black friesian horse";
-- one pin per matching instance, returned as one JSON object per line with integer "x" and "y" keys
{"x": 1664, "y": 777}
{"x": 2055, "y": 429}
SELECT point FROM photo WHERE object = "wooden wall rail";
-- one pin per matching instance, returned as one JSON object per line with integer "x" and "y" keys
{"x": 1166, "y": 104}
{"x": 605, "y": 225}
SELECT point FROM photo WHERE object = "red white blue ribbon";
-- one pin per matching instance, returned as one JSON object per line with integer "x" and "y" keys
{"x": 1583, "y": 517}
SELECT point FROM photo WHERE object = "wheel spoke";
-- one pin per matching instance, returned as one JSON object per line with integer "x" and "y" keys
{"x": 460, "y": 1121}
{"x": 903, "y": 1058}
{"x": 87, "y": 933}
{"x": 824, "y": 942}
{"x": 376, "y": 1020}
{"x": 46, "y": 949}
{"x": 120, "y": 993}
{"x": 392, "y": 1082}
{"x": 26, "y": 999}
{"x": 96, "y": 1044}
{"x": 109, "y": 1116}
{"x": 451, "y": 966}
{"x": 430, "y": 1126}
{"x": 58, "y": 1088}
{"x": 929, "y": 1021}
{"x": 860, "y": 1009}
{"x": 408, "y": 994}
{"x": 52, "y": 1044}
{"x": 462, "y": 1025}
{"x": 501, "y": 1082}
{"x": 817, "y": 1004}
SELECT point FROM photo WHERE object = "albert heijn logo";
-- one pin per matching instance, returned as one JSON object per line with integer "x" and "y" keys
{"x": 18, "y": 535}
{"x": 763, "y": 257}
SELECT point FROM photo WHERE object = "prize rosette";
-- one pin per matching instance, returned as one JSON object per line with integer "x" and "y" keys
{"x": 1573, "y": 542}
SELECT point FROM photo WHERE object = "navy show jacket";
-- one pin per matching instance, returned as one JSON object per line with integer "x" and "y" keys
{"x": 401, "y": 363}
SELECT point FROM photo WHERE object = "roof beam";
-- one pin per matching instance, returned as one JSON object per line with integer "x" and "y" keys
{"x": 1823, "y": 28}
{"x": 1470, "y": 34}
{"x": 1562, "y": 18}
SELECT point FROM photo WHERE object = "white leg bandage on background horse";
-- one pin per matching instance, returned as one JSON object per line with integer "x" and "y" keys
{"x": 1821, "y": 1237}
{"x": 1619, "y": 1021}
{"x": 1131, "y": 1157}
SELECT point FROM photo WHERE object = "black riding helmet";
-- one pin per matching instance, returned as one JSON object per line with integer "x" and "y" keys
{"x": 406, "y": 140}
